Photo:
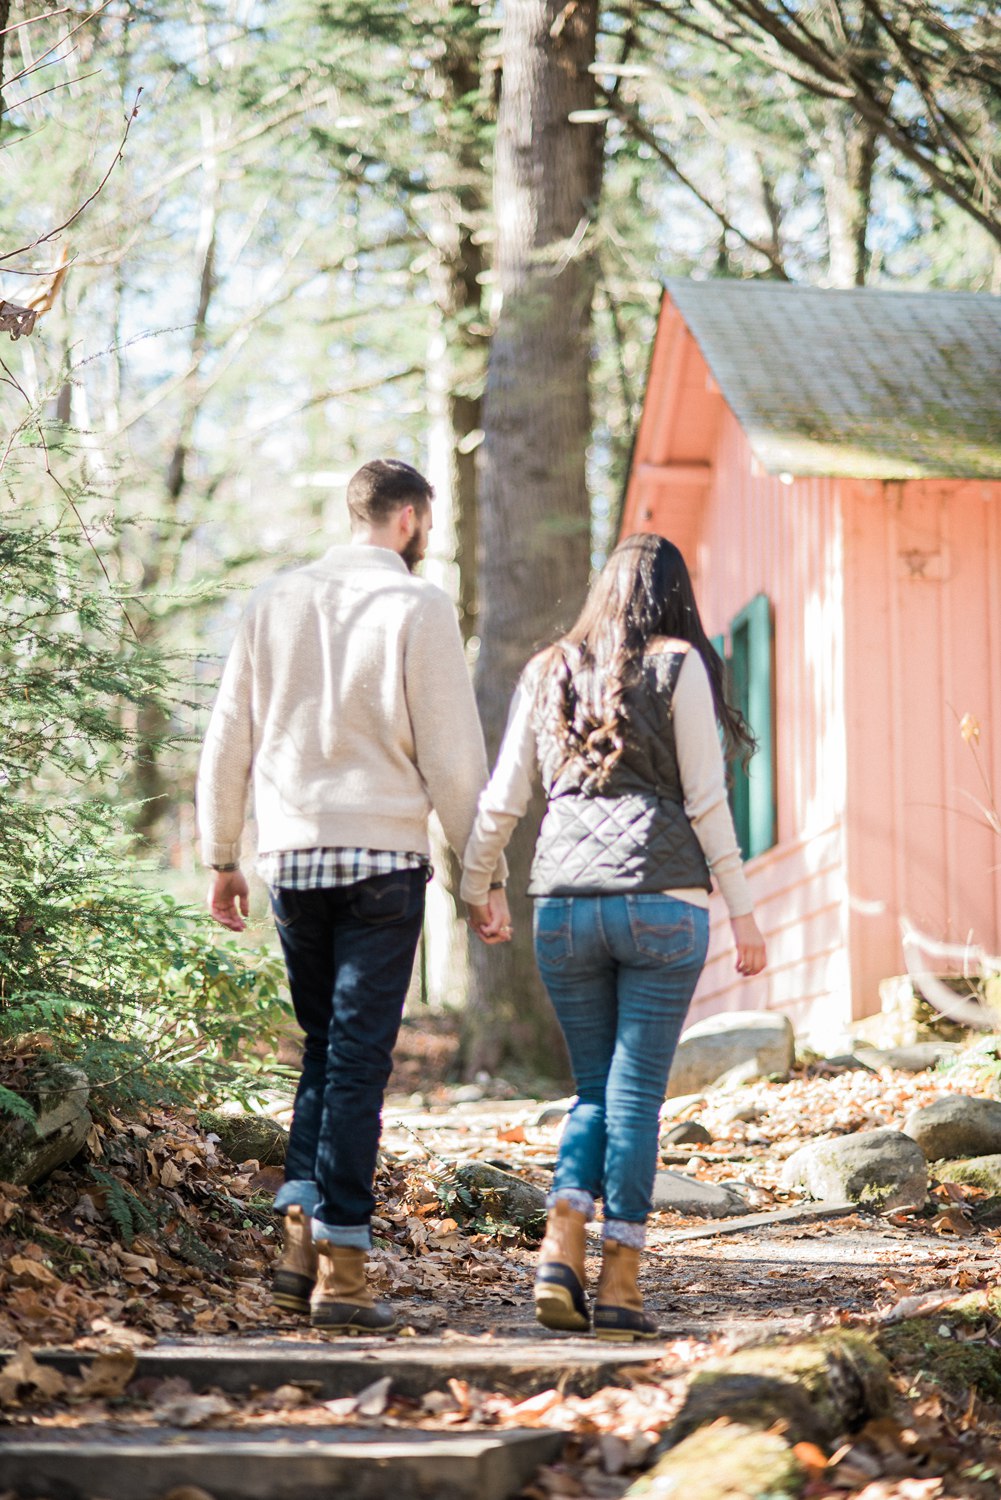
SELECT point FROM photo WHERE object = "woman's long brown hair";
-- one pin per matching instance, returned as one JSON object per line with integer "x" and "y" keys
{"x": 643, "y": 591}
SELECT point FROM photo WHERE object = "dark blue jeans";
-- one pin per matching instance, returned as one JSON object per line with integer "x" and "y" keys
{"x": 620, "y": 971}
{"x": 349, "y": 952}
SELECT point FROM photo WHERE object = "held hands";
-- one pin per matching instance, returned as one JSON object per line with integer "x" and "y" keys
{"x": 229, "y": 899}
{"x": 750, "y": 945}
{"x": 492, "y": 923}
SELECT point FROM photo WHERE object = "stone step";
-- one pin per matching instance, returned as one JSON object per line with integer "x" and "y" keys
{"x": 273, "y": 1464}
{"x": 415, "y": 1366}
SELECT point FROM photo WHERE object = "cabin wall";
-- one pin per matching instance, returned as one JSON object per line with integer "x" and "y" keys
{"x": 923, "y": 631}
{"x": 759, "y": 534}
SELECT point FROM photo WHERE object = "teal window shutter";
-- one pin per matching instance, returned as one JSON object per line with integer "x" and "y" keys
{"x": 751, "y": 686}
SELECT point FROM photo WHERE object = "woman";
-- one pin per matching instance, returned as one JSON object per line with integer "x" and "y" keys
{"x": 623, "y": 718}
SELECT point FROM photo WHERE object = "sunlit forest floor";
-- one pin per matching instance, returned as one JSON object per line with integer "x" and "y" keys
{"x": 153, "y": 1236}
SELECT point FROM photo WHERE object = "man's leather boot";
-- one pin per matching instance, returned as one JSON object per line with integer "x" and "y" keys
{"x": 341, "y": 1300}
{"x": 559, "y": 1282}
{"x": 618, "y": 1306}
{"x": 295, "y": 1273}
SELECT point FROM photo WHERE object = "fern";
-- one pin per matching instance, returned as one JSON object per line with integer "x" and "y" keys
{"x": 129, "y": 1215}
{"x": 14, "y": 1104}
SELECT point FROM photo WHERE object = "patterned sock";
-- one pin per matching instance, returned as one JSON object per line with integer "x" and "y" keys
{"x": 626, "y": 1233}
{"x": 579, "y": 1200}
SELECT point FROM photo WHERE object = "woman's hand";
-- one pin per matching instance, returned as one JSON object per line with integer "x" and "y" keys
{"x": 750, "y": 945}
{"x": 492, "y": 922}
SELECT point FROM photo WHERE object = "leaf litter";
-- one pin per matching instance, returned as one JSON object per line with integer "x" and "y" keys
{"x": 154, "y": 1233}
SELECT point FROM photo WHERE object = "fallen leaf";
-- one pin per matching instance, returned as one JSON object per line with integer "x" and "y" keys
{"x": 109, "y": 1374}
{"x": 193, "y": 1411}
{"x": 373, "y": 1400}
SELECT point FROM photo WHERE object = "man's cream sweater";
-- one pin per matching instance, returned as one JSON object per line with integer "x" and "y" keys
{"x": 346, "y": 700}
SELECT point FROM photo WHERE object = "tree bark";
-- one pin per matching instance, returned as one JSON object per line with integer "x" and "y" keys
{"x": 534, "y": 511}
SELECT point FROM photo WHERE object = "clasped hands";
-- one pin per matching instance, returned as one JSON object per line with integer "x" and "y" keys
{"x": 492, "y": 922}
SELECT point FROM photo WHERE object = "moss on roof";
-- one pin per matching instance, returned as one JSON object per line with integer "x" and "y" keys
{"x": 865, "y": 383}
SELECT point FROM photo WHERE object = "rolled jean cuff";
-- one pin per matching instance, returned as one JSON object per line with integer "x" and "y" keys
{"x": 578, "y": 1198}
{"x": 354, "y": 1236}
{"x": 626, "y": 1233}
{"x": 297, "y": 1193}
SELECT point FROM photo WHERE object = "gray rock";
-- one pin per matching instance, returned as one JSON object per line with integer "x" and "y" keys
{"x": 882, "y": 1169}
{"x": 672, "y": 1108}
{"x": 686, "y": 1133}
{"x": 685, "y": 1195}
{"x": 714, "y": 1047}
{"x": 29, "y": 1152}
{"x": 468, "y": 1093}
{"x": 917, "y": 1058}
{"x": 957, "y": 1125}
{"x": 552, "y": 1113}
{"x": 498, "y": 1195}
{"x": 978, "y": 1171}
{"x": 747, "y": 1111}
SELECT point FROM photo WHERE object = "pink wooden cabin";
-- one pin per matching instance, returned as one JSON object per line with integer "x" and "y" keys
{"x": 829, "y": 464}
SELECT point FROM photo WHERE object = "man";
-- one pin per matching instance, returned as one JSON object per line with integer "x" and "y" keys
{"x": 346, "y": 702}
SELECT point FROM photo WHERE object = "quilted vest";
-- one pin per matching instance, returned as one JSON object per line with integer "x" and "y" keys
{"x": 634, "y": 834}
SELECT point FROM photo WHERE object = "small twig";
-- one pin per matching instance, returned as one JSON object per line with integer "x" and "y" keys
{"x": 42, "y": 239}
{"x": 37, "y": 62}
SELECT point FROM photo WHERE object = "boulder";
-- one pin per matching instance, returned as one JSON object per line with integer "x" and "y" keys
{"x": 879, "y": 1169}
{"x": 686, "y": 1133}
{"x": 671, "y": 1109}
{"x": 30, "y": 1151}
{"x": 720, "y": 1044}
{"x": 673, "y": 1191}
{"x": 978, "y": 1171}
{"x": 957, "y": 1125}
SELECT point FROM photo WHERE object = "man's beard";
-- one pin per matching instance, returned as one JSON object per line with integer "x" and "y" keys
{"x": 413, "y": 552}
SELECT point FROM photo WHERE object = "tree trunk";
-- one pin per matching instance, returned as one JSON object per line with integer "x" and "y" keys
{"x": 846, "y": 166}
{"x": 4, "y": 20}
{"x": 534, "y": 511}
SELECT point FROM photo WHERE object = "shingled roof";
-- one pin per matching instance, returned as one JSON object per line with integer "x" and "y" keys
{"x": 863, "y": 383}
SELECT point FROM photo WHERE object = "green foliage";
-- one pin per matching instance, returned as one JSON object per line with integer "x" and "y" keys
{"x": 127, "y": 1212}
{"x": 115, "y": 976}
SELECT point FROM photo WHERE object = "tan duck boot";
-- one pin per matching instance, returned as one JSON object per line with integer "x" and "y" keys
{"x": 618, "y": 1306}
{"x": 341, "y": 1300}
{"x": 560, "y": 1301}
{"x": 295, "y": 1272}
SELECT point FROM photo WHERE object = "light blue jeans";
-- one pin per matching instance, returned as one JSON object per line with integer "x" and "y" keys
{"x": 620, "y": 971}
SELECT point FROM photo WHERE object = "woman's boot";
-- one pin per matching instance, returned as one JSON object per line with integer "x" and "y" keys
{"x": 559, "y": 1282}
{"x": 341, "y": 1300}
{"x": 618, "y": 1307}
{"x": 295, "y": 1273}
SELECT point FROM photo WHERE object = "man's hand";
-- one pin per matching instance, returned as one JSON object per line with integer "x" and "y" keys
{"x": 750, "y": 945}
{"x": 229, "y": 899}
{"x": 492, "y": 922}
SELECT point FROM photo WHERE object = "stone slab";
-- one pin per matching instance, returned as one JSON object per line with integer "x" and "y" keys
{"x": 275, "y": 1463}
{"x": 414, "y": 1367}
{"x": 748, "y": 1222}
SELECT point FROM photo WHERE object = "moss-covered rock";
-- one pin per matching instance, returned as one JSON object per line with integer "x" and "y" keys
{"x": 30, "y": 1150}
{"x": 726, "y": 1461}
{"x": 819, "y": 1388}
{"x": 951, "y": 1347}
{"x": 247, "y": 1137}
{"x": 974, "y": 1171}
{"x": 489, "y": 1193}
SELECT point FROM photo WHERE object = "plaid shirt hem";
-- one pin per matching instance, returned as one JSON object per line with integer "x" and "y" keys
{"x": 319, "y": 869}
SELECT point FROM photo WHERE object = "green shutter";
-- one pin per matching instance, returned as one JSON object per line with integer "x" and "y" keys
{"x": 753, "y": 791}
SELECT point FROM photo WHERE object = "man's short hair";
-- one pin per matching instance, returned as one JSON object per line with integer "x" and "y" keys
{"x": 383, "y": 486}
